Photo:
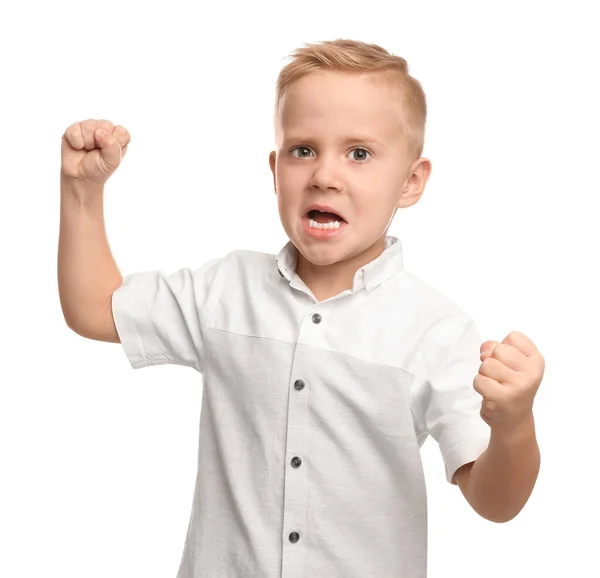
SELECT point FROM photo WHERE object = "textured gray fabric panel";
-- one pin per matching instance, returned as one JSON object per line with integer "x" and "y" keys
{"x": 353, "y": 430}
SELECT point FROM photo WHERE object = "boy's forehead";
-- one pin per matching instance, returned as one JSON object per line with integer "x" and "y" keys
{"x": 329, "y": 100}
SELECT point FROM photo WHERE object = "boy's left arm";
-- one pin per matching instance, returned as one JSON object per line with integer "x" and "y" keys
{"x": 498, "y": 484}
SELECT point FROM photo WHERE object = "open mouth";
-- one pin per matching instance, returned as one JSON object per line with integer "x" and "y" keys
{"x": 324, "y": 217}
{"x": 323, "y": 224}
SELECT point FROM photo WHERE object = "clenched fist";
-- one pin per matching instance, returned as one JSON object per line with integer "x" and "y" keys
{"x": 92, "y": 150}
{"x": 508, "y": 380}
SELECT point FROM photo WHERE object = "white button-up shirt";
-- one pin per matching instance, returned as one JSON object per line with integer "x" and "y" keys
{"x": 313, "y": 413}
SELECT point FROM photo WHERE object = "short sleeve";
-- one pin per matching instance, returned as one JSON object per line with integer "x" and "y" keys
{"x": 163, "y": 318}
{"x": 445, "y": 404}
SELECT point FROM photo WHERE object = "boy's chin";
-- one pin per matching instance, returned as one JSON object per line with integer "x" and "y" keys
{"x": 322, "y": 255}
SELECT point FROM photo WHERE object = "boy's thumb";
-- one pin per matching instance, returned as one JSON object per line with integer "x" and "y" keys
{"x": 110, "y": 147}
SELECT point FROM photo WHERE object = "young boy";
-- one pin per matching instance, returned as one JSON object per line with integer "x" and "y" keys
{"x": 325, "y": 367}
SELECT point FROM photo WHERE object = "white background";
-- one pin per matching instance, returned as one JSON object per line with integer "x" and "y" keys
{"x": 98, "y": 461}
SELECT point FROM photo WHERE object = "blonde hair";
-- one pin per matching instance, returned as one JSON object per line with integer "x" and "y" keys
{"x": 353, "y": 56}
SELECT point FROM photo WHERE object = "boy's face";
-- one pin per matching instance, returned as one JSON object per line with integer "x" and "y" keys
{"x": 340, "y": 144}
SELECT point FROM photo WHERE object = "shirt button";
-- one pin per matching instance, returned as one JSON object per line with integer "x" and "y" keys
{"x": 316, "y": 318}
{"x": 294, "y": 537}
{"x": 299, "y": 384}
{"x": 296, "y": 461}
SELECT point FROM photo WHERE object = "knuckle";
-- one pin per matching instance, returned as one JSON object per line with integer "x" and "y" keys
{"x": 106, "y": 125}
{"x": 73, "y": 133}
{"x": 72, "y": 127}
{"x": 488, "y": 405}
{"x": 122, "y": 132}
{"x": 87, "y": 126}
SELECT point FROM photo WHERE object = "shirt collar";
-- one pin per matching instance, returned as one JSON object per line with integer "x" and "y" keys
{"x": 384, "y": 267}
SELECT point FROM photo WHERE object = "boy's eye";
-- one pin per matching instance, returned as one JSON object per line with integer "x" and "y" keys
{"x": 363, "y": 153}
{"x": 302, "y": 149}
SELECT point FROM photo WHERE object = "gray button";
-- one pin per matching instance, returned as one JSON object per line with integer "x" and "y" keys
{"x": 294, "y": 537}
{"x": 296, "y": 461}
{"x": 316, "y": 318}
{"x": 299, "y": 384}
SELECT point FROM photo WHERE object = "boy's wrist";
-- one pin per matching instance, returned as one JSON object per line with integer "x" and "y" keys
{"x": 82, "y": 195}
{"x": 514, "y": 433}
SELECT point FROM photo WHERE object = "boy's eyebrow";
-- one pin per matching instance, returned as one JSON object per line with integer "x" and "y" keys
{"x": 347, "y": 140}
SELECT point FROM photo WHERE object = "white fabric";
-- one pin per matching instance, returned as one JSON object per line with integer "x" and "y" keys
{"x": 391, "y": 362}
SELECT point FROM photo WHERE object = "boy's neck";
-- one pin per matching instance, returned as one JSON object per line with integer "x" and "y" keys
{"x": 326, "y": 281}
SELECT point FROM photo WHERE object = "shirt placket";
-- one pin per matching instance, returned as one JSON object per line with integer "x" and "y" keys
{"x": 297, "y": 463}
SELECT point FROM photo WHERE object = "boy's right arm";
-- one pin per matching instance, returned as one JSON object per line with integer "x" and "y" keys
{"x": 87, "y": 273}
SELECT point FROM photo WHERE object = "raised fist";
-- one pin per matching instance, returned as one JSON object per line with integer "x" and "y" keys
{"x": 92, "y": 150}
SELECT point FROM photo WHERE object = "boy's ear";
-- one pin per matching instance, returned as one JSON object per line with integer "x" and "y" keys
{"x": 272, "y": 157}
{"x": 415, "y": 183}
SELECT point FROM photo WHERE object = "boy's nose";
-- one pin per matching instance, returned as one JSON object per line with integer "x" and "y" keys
{"x": 324, "y": 178}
